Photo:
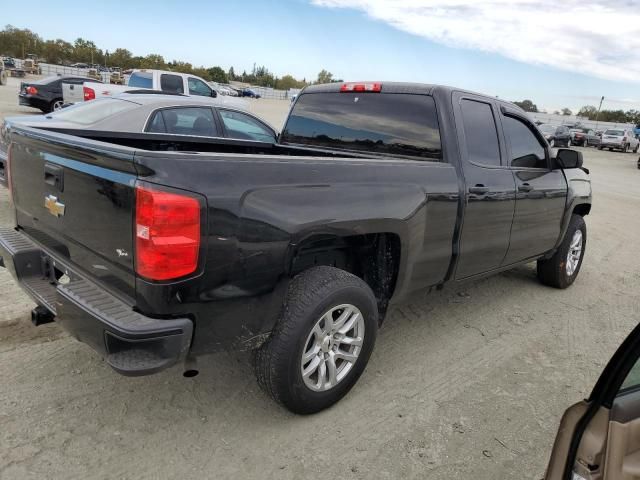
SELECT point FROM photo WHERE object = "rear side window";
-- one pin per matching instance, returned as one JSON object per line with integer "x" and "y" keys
{"x": 171, "y": 83}
{"x": 141, "y": 80}
{"x": 480, "y": 133}
{"x": 197, "y": 121}
{"x": 239, "y": 125}
{"x": 394, "y": 124}
{"x": 526, "y": 150}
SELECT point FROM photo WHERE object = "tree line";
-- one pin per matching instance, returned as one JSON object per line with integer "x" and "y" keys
{"x": 19, "y": 43}
{"x": 590, "y": 112}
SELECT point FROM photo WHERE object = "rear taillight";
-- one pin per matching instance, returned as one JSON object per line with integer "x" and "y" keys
{"x": 88, "y": 93}
{"x": 32, "y": 90}
{"x": 361, "y": 87}
{"x": 167, "y": 234}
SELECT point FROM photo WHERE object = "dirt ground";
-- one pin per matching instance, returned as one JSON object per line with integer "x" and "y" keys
{"x": 466, "y": 383}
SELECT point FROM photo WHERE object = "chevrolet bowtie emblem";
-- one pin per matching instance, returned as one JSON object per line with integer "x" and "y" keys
{"x": 52, "y": 204}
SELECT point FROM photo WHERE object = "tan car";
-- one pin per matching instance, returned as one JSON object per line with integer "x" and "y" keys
{"x": 599, "y": 438}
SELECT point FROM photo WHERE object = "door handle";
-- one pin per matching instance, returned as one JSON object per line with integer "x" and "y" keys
{"x": 54, "y": 176}
{"x": 479, "y": 189}
{"x": 525, "y": 187}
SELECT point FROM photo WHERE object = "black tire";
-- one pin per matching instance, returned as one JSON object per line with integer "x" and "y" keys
{"x": 278, "y": 362}
{"x": 625, "y": 148}
{"x": 553, "y": 271}
{"x": 635, "y": 150}
{"x": 53, "y": 106}
{"x": 599, "y": 147}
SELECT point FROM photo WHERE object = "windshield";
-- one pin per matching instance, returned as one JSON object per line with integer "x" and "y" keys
{"x": 93, "y": 111}
{"x": 617, "y": 133}
{"x": 547, "y": 128}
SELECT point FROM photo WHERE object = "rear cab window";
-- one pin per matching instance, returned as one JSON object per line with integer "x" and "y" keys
{"x": 383, "y": 123}
{"x": 141, "y": 80}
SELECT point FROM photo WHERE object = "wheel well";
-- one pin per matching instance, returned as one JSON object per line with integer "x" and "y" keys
{"x": 582, "y": 209}
{"x": 375, "y": 258}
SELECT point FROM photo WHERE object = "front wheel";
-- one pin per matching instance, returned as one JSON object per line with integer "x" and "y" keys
{"x": 322, "y": 342}
{"x": 562, "y": 268}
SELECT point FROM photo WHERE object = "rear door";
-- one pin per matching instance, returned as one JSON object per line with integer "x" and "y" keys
{"x": 599, "y": 438}
{"x": 490, "y": 188}
{"x": 540, "y": 192}
{"x": 76, "y": 198}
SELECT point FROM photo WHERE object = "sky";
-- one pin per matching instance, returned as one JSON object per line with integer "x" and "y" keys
{"x": 559, "y": 54}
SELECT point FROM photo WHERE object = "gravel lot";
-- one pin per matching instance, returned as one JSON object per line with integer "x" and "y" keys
{"x": 468, "y": 382}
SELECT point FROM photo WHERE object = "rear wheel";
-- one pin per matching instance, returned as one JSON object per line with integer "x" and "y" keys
{"x": 322, "y": 343}
{"x": 635, "y": 150}
{"x": 625, "y": 148}
{"x": 56, "y": 105}
{"x": 561, "y": 270}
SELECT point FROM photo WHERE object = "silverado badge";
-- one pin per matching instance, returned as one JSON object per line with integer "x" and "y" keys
{"x": 52, "y": 204}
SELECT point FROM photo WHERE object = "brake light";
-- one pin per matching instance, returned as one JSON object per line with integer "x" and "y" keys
{"x": 167, "y": 234}
{"x": 88, "y": 93}
{"x": 32, "y": 90}
{"x": 361, "y": 87}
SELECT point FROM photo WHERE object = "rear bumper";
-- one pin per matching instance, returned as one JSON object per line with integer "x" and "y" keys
{"x": 131, "y": 343}
{"x": 606, "y": 144}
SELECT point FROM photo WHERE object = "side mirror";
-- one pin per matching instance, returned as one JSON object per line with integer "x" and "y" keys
{"x": 214, "y": 94}
{"x": 567, "y": 158}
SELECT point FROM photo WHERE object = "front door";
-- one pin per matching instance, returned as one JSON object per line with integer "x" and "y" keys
{"x": 541, "y": 193}
{"x": 599, "y": 438}
{"x": 490, "y": 187}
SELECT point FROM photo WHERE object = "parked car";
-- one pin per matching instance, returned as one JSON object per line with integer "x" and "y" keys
{"x": 295, "y": 249}
{"x": 619, "y": 139}
{"x": 160, "y": 80}
{"x": 556, "y": 135}
{"x": 598, "y": 437}
{"x": 46, "y": 94}
{"x": 584, "y": 137}
{"x": 249, "y": 92}
{"x": 159, "y": 114}
{"x": 79, "y": 65}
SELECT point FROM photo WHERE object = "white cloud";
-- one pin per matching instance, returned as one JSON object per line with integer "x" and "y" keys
{"x": 599, "y": 38}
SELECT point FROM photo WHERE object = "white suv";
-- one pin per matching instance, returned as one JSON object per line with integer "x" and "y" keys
{"x": 621, "y": 139}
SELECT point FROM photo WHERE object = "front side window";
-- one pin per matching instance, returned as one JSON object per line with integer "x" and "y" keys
{"x": 481, "y": 136}
{"x": 141, "y": 80}
{"x": 171, "y": 83}
{"x": 239, "y": 125}
{"x": 198, "y": 87}
{"x": 196, "y": 121}
{"x": 393, "y": 124}
{"x": 526, "y": 150}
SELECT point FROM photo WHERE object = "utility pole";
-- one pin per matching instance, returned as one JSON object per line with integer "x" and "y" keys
{"x": 598, "y": 114}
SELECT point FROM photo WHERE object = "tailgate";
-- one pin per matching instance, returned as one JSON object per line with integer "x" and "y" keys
{"x": 72, "y": 93}
{"x": 75, "y": 197}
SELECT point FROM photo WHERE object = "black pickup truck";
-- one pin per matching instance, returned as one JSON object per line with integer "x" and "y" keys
{"x": 156, "y": 249}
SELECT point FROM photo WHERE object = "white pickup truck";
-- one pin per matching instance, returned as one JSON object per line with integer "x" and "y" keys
{"x": 170, "y": 82}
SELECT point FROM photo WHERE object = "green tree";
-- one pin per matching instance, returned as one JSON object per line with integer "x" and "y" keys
{"x": 588, "y": 111}
{"x": 566, "y": 111}
{"x": 527, "y": 106}
{"x": 153, "y": 60}
{"x": 121, "y": 57}
{"x": 324, "y": 77}
{"x": 287, "y": 82}
{"x": 217, "y": 74}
